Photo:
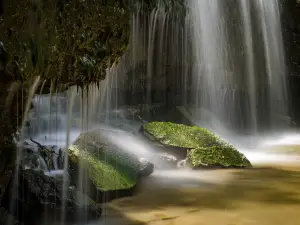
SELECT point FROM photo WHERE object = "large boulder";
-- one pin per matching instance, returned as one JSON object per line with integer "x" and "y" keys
{"x": 110, "y": 170}
{"x": 201, "y": 147}
{"x": 35, "y": 194}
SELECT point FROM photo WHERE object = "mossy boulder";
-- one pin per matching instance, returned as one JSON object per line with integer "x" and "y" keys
{"x": 202, "y": 147}
{"x": 111, "y": 171}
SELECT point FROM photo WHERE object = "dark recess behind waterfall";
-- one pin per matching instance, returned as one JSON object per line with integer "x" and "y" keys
{"x": 291, "y": 34}
{"x": 175, "y": 69}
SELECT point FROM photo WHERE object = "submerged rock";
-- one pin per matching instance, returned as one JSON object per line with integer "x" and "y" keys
{"x": 202, "y": 147}
{"x": 110, "y": 171}
{"x": 35, "y": 193}
{"x": 183, "y": 163}
{"x": 169, "y": 159}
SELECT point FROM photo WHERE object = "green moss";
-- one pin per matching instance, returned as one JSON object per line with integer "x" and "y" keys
{"x": 218, "y": 156}
{"x": 207, "y": 149}
{"x": 180, "y": 135}
{"x": 104, "y": 175}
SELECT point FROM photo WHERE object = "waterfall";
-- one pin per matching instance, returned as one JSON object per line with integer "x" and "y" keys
{"x": 223, "y": 65}
{"x": 274, "y": 51}
{"x": 239, "y": 68}
{"x": 247, "y": 28}
{"x": 143, "y": 77}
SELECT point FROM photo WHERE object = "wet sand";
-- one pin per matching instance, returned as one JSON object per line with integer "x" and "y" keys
{"x": 263, "y": 195}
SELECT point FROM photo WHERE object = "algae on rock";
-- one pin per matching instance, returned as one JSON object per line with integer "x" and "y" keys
{"x": 109, "y": 167}
{"x": 204, "y": 147}
{"x": 225, "y": 156}
{"x": 102, "y": 174}
{"x": 180, "y": 135}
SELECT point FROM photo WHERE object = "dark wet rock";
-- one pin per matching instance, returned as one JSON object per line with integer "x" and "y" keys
{"x": 3, "y": 57}
{"x": 183, "y": 163}
{"x": 146, "y": 168}
{"x": 168, "y": 161}
{"x": 31, "y": 159}
{"x": 7, "y": 218}
{"x": 168, "y": 158}
{"x": 41, "y": 157}
{"x": 111, "y": 170}
{"x": 138, "y": 111}
{"x": 35, "y": 194}
{"x": 196, "y": 147}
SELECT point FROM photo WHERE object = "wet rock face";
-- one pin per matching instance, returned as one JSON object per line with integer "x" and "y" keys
{"x": 3, "y": 57}
{"x": 146, "y": 168}
{"x": 41, "y": 157}
{"x": 291, "y": 32}
{"x": 36, "y": 194}
{"x": 5, "y": 217}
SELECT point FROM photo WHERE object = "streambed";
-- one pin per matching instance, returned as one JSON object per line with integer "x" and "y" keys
{"x": 268, "y": 196}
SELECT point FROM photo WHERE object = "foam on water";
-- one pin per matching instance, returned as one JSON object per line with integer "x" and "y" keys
{"x": 286, "y": 139}
{"x": 266, "y": 158}
{"x": 264, "y": 154}
{"x": 190, "y": 177}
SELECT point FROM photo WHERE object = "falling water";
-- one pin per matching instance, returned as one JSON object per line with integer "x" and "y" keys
{"x": 247, "y": 25}
{"x": 32, "y": 90}
{"x": 144, "y": 75}
{"x": 212, "y": 68}
{"x": 274, "y": 51}
{"x": 229, "y": 82}
{"x": 66, "y": 165}
{"x": 156, "y": 54}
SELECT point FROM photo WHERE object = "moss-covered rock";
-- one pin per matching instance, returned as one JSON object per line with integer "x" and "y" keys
{"x": 220, "y": 156}
{"x": 103, "y": 174}
{"x": 181, "y": 135}
{"x": 111, "y": 170}
{"x": 203, "y": 147}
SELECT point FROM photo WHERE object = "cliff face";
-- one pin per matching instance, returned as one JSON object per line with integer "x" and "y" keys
{"x": 291, "y": 33}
